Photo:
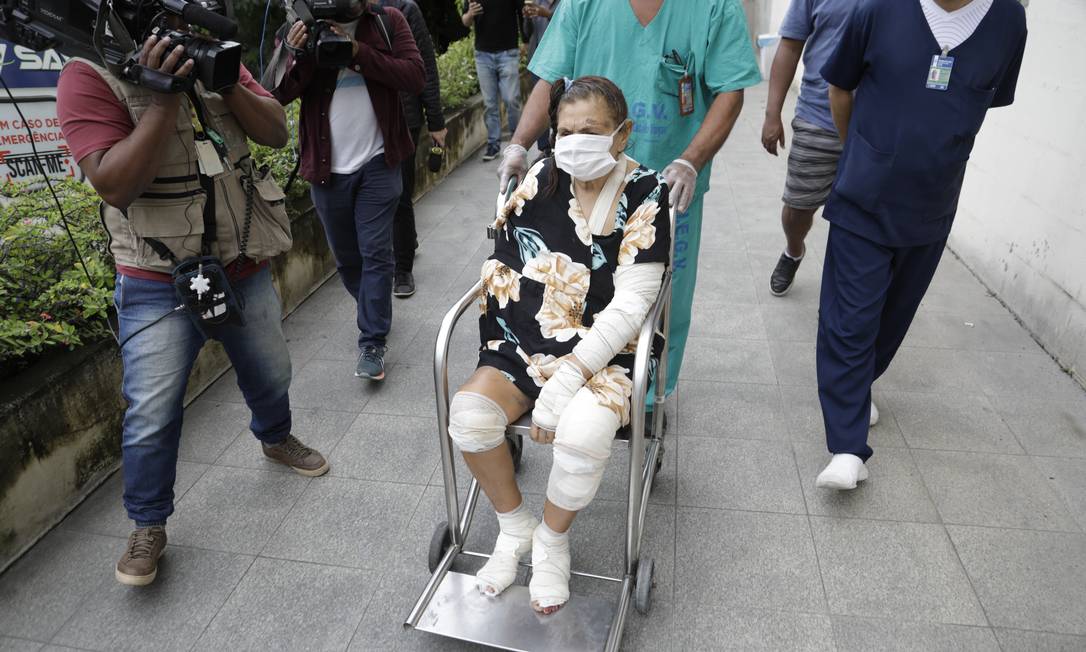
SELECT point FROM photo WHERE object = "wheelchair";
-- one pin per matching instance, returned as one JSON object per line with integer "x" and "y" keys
{"x": 451, "y": 606}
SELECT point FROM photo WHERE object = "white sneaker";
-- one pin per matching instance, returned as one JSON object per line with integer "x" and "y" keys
{"x": 843, "y": 472}
{"x": 874, "y": 415}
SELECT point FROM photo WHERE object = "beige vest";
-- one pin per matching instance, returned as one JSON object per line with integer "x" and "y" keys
{"x": 171, "y": 209}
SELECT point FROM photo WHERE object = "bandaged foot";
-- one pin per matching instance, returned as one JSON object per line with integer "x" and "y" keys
{"x": 549, "y": 587}
{"x": 843, "y": 472}
{"x": 514, "y": 541}
{"x": 874, "y": 415}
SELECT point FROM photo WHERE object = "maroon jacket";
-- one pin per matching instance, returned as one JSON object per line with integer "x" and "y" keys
{"x": 387, "y": 73}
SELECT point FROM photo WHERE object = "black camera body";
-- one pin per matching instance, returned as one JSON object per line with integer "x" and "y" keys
{"x": 113, "y": 31}
{"x": 329, "y": 49}
{"x": 216, "y": 62}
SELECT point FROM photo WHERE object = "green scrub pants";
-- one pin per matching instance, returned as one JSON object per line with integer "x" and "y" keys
{"x": 684, "y": 276}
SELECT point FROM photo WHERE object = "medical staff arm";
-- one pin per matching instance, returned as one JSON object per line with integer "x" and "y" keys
{"x": 682, "y": 173}
{"x": 636, "y": 288}
{"x": 785, "y": 63}
{"x": 533, "y": 121}
{"x": 841, "y": 107}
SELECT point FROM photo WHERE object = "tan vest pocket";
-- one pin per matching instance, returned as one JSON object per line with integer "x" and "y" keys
{"x": 177, "y": 223}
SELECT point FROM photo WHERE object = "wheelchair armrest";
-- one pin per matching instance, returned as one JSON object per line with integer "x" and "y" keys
{"x": 444, "y": 339}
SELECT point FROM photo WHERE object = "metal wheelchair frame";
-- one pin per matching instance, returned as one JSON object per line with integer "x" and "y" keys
{"x": 646, "y": 456}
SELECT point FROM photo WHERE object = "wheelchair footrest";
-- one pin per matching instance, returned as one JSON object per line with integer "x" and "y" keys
{"x": 508, "y": 622}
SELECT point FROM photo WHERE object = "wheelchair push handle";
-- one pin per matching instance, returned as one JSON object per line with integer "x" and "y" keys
{"x": 503, "y": 199}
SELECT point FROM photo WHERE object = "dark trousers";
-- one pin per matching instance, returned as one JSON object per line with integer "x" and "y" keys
{"x": 357, "y": 212}
{"x": 405, "y": 239}
{"x": 870, "y": 294}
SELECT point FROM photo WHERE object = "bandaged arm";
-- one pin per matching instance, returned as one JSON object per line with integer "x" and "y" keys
{"x": 636, "y": 289}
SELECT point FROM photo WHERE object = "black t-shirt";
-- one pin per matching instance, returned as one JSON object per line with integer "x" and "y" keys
{"x": 497, "y": 29}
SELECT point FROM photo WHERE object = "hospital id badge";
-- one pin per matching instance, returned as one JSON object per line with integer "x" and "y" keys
{"x": 939, "y": 73}
{"x": 686, "y": 95}
{"x": 208, "y": 157}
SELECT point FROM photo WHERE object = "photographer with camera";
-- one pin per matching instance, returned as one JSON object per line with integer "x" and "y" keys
{"x": 192, "y": 222}
{"x": 354, "y": 137}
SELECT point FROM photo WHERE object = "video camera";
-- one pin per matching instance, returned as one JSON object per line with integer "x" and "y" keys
{"x": 331, "y": 50}
{"x": 113, "y": 32}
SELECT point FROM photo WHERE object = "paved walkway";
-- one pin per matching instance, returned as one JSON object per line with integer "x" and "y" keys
{"x": 969, "y": 534}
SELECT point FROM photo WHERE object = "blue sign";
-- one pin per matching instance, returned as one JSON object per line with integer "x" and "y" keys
{"x": 24, "y": 68}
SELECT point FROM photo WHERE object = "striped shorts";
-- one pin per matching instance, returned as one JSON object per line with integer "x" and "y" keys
{"x": 812, "y": 165}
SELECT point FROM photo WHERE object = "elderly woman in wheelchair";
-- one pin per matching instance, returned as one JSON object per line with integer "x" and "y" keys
{"x": 581, "y": 249}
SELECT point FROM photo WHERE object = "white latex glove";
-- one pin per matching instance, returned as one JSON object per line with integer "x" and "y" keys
{"x": 681, "y": 177}
{"x": 514, "y": 165}
{"x": 556, "y": 394}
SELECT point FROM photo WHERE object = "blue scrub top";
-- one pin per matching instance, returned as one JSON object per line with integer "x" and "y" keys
{"x": 905, "y": 157}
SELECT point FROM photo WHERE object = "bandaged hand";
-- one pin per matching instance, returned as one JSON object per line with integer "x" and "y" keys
{"x": 556, "y": 394}
{"x": 681, "y": 177}
{"x": 514, "y": 165}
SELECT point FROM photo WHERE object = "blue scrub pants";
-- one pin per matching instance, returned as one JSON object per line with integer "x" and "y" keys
{"x": 870, "y": 294}
{"x": 684, "y": 277}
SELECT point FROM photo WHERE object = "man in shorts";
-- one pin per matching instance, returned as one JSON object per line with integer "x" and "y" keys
{"x": 810, "y": 29}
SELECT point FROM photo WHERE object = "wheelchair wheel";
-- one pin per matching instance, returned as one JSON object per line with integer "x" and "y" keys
{"x": 439, "y": 544}
{"x": 516, "y": 449}
{"x": 643, "y": 586}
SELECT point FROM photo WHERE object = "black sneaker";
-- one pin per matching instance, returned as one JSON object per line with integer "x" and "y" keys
{"x": 783, "y": 275}
{"x": 371, "y": 363}
{"x": 403, "y": 285}
{"x": 491, "y": 153}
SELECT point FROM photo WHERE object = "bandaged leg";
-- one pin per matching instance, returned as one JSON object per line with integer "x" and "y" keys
{"x": 549, "y": 587}
{"x": 476, "y": 423}
{"x": 582, "y": 446}
{"x": 514, "y": 541}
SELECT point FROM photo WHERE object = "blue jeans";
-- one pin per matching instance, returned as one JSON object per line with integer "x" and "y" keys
{"x": 357, "y": 211}
{"x": 499, "y": 74}
{"x": 157, "y": 362}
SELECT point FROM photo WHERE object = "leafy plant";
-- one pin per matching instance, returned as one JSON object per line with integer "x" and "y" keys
{"x": 46, "y": 299}
{"x": 456, "y": 69}
{"x": 283, "y": 161}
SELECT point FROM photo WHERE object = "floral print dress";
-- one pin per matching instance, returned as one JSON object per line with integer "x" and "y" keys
{"x": 549, "y": 276}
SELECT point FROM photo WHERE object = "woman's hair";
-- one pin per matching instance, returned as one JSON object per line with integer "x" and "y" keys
{"x": 564, "y": 91}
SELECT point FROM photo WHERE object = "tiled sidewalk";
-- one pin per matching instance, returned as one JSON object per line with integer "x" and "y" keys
{"x": 969, "y": 534}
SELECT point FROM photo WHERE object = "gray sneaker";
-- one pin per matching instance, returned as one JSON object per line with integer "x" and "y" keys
{"x": 293, "y": 453}
{"x": 371, "y": 363}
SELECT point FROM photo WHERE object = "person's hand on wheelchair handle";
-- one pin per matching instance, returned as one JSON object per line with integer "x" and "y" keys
{"x": 514, "y": 165}
{"x": 681, "y": 177}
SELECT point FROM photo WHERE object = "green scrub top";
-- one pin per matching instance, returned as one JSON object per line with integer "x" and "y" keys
{"x": 604, "y": 38}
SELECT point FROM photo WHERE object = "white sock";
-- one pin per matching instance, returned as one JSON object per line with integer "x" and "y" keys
{"x": 874, "y": 415}
{"x": 514, "y": 541}
{"x": 793, "y": 257}
{"x": 549, "y": 586}
{"x": 843, "y": 472}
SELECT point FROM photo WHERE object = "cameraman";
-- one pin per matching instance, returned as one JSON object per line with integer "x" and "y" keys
{"x": 141, "y": 150}
{"x": 354, "y": 137}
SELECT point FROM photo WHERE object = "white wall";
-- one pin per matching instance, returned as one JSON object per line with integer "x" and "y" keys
{"x": 1021, "y": 223}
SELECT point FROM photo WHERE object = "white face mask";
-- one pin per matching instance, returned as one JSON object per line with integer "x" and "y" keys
{"x": 585, "y": 157}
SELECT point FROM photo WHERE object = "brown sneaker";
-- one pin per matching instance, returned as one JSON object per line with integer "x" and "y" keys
{"x": 297, "y": 456}
{"x": 139, "y": 564}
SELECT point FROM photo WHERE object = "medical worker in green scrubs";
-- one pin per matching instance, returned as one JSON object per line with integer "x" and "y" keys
{"x": 682, "y": 65}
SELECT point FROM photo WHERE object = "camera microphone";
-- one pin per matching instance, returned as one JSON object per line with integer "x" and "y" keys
{"x": 219, "y": 25}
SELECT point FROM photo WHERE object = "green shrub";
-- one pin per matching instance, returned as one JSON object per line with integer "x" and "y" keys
{"x": 282, "y": 161}
{"x": 46, "y": 300}
{"x": 456, "y": 69}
